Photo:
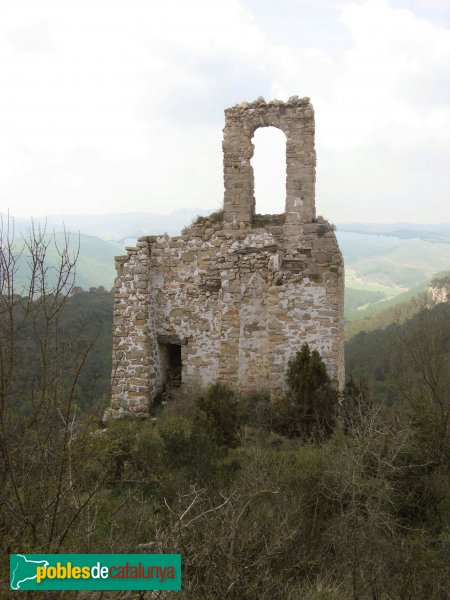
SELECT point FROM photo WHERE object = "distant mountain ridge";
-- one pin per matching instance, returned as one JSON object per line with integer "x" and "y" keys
{"x": 438, "y": 232}
{"x": 382, "y": 261}
{"x": 116, "y": 226}
{"x": 94, "y": 267}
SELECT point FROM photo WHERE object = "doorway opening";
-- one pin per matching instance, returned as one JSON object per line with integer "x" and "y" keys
{"x": 171, "y": 365}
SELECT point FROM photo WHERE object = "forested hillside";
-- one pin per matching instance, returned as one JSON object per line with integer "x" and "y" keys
{"x": 88, "y": 318}
{"x": 404, "y": 306}
{"x": 391, "y": 359}
{"x": 94, "y": 258}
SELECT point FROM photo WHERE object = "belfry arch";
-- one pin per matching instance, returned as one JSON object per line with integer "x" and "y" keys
{"x": 269, "y": 170}
{"x": 295, "y": 119}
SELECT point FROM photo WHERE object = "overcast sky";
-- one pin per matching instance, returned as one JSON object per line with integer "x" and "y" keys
{"x": 117, "y": 106}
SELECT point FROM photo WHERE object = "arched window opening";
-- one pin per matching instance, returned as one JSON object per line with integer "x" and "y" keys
{"x": 269, "y": 170}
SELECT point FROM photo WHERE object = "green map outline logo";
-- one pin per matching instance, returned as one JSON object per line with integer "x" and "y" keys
{"x": 95, "y": 572}
{"x": 13, "y": 573}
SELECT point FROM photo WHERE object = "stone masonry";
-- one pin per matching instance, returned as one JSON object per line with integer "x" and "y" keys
{"x": 237, "y": 294}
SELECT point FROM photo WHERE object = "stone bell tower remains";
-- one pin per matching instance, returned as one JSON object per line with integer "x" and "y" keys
{"x": 237, "y": 294}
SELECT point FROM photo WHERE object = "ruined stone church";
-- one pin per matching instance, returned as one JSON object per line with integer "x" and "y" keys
{"x": 237, "y": 294}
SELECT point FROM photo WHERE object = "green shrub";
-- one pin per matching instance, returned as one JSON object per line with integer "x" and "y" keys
{"x": 310, "y": 407}
{"x": 354, "y": 405}
{"x": 176, "y": 433}
{"x": 218, "y": 415}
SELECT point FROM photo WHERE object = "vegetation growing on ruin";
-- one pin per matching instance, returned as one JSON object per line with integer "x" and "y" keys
{"x": 214, "y": 217}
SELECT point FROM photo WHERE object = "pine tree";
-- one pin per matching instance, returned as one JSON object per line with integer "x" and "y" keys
{"x": 311, "y": 398}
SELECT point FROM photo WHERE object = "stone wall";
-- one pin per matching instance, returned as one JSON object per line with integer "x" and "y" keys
{"x": 235, "y": 299}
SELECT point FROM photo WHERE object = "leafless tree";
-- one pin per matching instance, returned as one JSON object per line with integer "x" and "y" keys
{"x": 40, "y": 492}
{"x": 423, "y": 371}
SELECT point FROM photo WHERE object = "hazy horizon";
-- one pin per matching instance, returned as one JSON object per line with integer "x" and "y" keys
{"x": 196, "y": 210}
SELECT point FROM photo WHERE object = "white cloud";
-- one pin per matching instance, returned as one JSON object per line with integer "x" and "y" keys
{"x": 109, "y": 108}
{"x": 386, "y": 117}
